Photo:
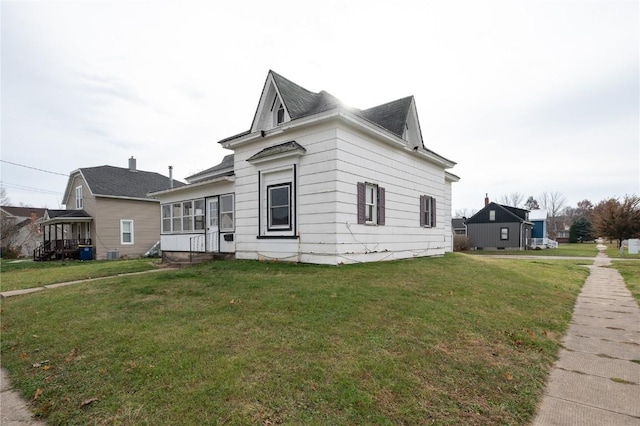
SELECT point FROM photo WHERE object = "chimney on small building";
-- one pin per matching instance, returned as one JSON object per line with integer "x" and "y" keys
{"x": 132, "y": 164}
{"x": 486, "y": 200}
{"x": 170, "y": 177}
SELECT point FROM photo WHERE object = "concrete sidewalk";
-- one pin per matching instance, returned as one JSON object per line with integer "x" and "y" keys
{"x": 14, "y": 411}
{"x": 594, "y": 382}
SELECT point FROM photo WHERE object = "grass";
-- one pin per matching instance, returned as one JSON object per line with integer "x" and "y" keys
{"x": 21, "y": 275}
{"x": 630, "y": 271}
{"x": 451, "y": 340}
{"x": 571, "y": 250}
{"x": 614, "y": 252}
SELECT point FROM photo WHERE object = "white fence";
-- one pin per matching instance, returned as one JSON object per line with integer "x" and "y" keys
{"x": 543, "y": 243}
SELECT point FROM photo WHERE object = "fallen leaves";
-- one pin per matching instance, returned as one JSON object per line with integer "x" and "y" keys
{"x": 88, "y": 402}
{"x": 72, "y": 355}
{"x": 37, "y": 394}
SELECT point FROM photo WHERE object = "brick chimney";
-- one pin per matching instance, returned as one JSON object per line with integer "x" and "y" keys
{"x": 132, "y": 164}
{"x": 486, "y": 200}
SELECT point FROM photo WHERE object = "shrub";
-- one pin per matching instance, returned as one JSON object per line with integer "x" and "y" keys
{"x": 460, "y": 243}
{"x": 10, "y": 252}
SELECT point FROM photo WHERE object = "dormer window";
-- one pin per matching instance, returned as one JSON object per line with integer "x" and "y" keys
{"x": 277, "y": 109}
{"x": 280, "y": 115}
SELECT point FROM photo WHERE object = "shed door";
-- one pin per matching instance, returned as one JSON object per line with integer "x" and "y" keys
{"x": 213, "y": 234}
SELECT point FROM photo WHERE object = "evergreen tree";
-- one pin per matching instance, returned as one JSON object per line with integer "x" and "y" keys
{"x": 580, "y": 231}
{"x": 531, "y": 204}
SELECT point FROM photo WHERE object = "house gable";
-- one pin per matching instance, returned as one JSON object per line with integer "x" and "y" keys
{"x": 503, "y": 214}
{"x": 282, "y": 101}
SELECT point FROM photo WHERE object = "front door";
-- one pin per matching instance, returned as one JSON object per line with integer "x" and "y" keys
{"x": 213, "y": 234}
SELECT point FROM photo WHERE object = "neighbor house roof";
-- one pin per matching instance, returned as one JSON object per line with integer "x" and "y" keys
{"x": 65, "y": 216}
{"x": 24, "y": 211}
{"x": 457, "y": 223}
{"x": 503, "y": 214}
{"x": 538, "y": 214}
{"x": 118, "y": 182}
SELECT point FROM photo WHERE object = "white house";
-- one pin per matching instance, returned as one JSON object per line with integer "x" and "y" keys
{"x": 315, "y": 181}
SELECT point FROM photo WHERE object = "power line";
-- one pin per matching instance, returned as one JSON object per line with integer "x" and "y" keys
{"x": 29, "y": 188}
{"x": 34, "y": 168}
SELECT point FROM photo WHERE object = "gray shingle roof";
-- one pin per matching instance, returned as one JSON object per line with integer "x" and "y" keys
{"x": 225, "y": 168}
{"x": 278, "y": 149}
{"x": 503, "y": 214}
{"x": 58, "y": 214}
{"x": 301, "y": 102}
{"x": 121, "y": 182}
{"x": 24, "y": 211}
{"x": 392, "y": 115}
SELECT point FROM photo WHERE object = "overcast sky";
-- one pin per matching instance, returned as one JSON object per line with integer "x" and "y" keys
{"x": 526, "y": 96}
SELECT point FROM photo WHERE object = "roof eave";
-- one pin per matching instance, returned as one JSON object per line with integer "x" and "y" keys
{"x": 121, "y": 197}
{"x": 192, "y": 185}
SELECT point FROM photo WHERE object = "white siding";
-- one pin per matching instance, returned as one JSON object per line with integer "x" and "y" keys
{"x": 337, "y": 157}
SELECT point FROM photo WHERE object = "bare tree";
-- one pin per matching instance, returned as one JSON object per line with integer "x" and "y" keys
{"x": 465, "y": 212}
{"x": 514, "y": 199}
{"x": 553, "y": 202}
{"x": 4, "y": 198}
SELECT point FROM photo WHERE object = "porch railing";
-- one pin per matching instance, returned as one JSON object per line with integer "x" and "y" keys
{"x": 543, "y": 242}
{"x": 196, "y": 245}
{"x": 59, "y": 248}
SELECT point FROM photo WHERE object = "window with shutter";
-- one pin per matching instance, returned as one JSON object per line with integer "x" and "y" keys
{"x": 371, "y": 204}
{"x": 427, "y": 211}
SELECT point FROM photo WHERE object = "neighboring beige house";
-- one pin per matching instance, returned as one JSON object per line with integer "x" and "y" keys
{"x": 20, "y": 228}
{"x": 315, "y": 181}
{"x": 107, "y": 212}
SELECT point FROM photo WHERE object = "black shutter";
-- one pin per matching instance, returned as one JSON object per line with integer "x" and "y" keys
{"x": 361, "y": 202}
{"x": 381, "y": 208}
{"x": 433, "y": 212}
{"x": 423, "y": 202}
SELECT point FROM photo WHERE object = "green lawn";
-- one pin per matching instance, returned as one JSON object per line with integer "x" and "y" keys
{"x": 630, "y": 271}
{"x": 449, "y": 341}
{"x": 27, "y": 274}
{"x": 614, "y": 252}
{"x": 571, "y": 250}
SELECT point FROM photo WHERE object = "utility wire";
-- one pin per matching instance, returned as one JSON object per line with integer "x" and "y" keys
{"x": 29, "y": 188}
{"x": 35, "y": 168}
